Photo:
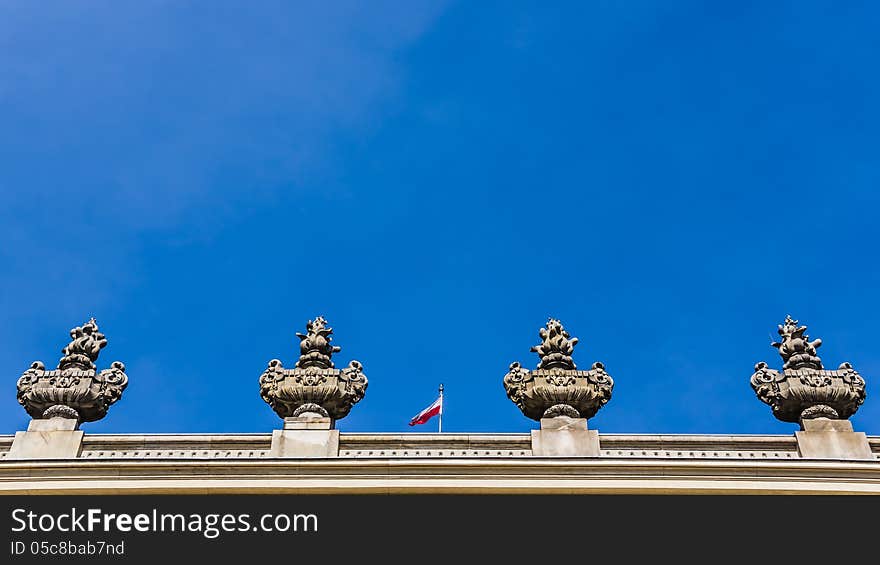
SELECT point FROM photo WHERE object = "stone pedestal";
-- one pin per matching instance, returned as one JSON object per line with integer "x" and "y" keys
{"x": 565, "y": 437}
{"x": 52, "y": 438}
{"x": 823, "y": 438}
{"x": 305, "y": 436}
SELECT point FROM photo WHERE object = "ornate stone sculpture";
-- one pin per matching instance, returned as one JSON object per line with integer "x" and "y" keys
{"x": 556, "y": 387}
{"x": 74, "y": 390}
{"x": 313, "y": 385}
{"x": 804, "y": 390}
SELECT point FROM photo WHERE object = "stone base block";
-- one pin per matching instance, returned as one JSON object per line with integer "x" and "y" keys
{"x": 52, "y": 438}
{"x": 565, "y": 437}
{"x": 310, "y": 422}
{"x": 304, "y": 443}
{"x": 823, "y": 438}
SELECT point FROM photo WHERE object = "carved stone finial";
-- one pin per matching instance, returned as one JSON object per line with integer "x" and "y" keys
{"x": 75, "y": 389}
{"x": 556, "y": 347}
{"x": 804, "y": 390}
{"x": 796, "y": 349}
{"x": 83, "y": 350}
{"x": 314, "y": 385}
{"x": 314, "y": 346}
{"x": 556, "y": 387}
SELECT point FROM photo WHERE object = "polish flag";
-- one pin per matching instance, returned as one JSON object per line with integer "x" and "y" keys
{"x": 429, "y": 412}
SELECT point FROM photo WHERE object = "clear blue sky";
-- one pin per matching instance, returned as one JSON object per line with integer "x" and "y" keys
{"x": 436, "y": 179}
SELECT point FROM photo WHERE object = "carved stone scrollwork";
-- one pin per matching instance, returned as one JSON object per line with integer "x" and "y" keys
{"x": 75, "y": 389}
{"x": 314, "y": 385}
{"x": 556, "y": 387}
{"x": 804, "y": 389}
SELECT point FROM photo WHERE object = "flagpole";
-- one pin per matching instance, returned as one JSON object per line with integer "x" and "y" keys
{"x": 440, "y": 420}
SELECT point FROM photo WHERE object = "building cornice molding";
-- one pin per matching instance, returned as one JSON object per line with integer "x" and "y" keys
{"x": 501, "y": 475}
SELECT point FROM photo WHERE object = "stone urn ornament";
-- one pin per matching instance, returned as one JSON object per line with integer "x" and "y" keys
{"x": 804, "y": 390}
{"x": 556, "y": 387}
{"x": 76, "y": 390}
{"x": 314, "y": 387}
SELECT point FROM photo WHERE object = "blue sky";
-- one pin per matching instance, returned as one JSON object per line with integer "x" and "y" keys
{"x": 436, "y": 179}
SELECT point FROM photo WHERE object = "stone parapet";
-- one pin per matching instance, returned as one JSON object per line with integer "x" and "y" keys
{"x": 433, "y": 445}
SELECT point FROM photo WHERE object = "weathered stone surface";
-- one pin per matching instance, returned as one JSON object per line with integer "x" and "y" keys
{"x": 308, "y": 423}
{"x": 564, "y": 423}
{"x": 804, "y": 390}
{"x": 827, "y": 425}
{"x": 833, "y": 445}
{"x": 824, "y": 438}
{"x": 75, "y": 390}
{"x": 53, "y": 425}
{"x": 556, "y": 387}
{"x": 314, "y": 385}
{"x": 565, "y": 437}
{"x": 53, "y": 438}
{"x": 304, "y": 443}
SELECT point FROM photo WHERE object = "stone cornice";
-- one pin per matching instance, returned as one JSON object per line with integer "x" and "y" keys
{"x": 443, "y": 475}
{"x": 438, "y": 463}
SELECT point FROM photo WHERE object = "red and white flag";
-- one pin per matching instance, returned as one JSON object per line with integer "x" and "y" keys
{"x": 434, "y": 409}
